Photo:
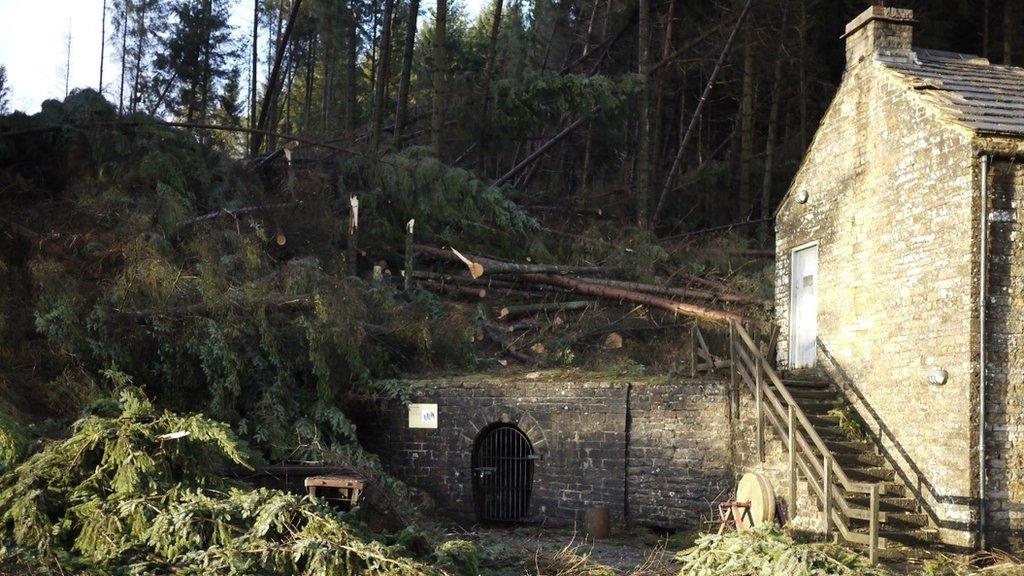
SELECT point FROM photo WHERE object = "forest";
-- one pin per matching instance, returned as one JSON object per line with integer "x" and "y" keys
{"x": 209, "y": 255}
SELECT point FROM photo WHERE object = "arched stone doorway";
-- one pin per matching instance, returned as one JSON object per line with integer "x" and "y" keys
{"x": 502, "y": 463}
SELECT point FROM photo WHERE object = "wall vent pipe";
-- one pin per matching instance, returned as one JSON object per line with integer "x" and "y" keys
{"x": 982, "y": 298}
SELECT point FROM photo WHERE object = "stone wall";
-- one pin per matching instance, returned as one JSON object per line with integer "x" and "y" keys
{"x": 677, "y": 433}
{"x": 891, "y": 204}
{"x": 1004, "y": 397}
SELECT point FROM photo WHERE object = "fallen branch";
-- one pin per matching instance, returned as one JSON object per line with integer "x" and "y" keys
{"x": 497, "y": 335}
{"x": 509, "y": 312}
{"x": 233, "y": 213}
{"x": 32, "y": 237}
{"x": 539, "y": 151}
{"x": 686, "y": 47}
{"x": 724, "y": 296}
{"x": 716, "y": 285}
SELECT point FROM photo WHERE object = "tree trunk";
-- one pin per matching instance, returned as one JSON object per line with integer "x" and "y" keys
{"x": 253, "y": 90}
{"x": 659, "y": 92}
{"x": 308, "y": 105}
{"x": 351, "y": 115}
{"x": 124, "y": 55}
{"x": 408, "y": 51}
{"x": 538, "y": 152}
{"x": 643, "y": 176}
{"x": 1008, "y": 32}
{"x": 103, "y": 45}
{"x": 986, "y": 12}
{"x": 769, "y": 147}
{"x": 204, "y": 106}
{"x": 440, "y": 72}
{"x": 270, "y": 97}
{"x": 383, "y": 71}
{"x": 747, "y": 122}
{"x": 695, "y": 120}
{"x": 587, "y": 288}
{"x": 802, "y": 30}
{"x": 485, "y": 96}
{"x": 138, "y": 66}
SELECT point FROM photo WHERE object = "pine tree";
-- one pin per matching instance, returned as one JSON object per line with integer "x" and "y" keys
{"x": 5, "y": 91}
{"x": 196, "y": 55}
{"x": 230, "y": 111}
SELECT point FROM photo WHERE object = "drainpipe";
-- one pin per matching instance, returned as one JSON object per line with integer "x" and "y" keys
{"x": 982, "y": 297}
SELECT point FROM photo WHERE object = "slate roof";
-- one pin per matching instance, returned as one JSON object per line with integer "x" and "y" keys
{"x": 983, "y": 97}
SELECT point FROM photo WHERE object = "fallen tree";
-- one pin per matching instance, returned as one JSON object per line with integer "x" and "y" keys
{"x": 480, "y": 265}
{"x": 138, "y": 487}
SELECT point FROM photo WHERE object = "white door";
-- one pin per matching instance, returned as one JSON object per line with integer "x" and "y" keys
{"x": 803, "y": 324}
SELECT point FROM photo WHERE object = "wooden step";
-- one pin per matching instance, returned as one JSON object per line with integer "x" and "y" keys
{"x": 794, "y": 384}
{"x": 833, "y": 433}
{"x": 855, "y": 459}
{"x": 823, "y": 421}
{"x": 886, "y": 503}
{"x": 907, "y": 519}
{"x": 837, "y": 447}
{"x": 917, "y": 537}
{"x": 813, "y": 394}
{"x": 819, "y": 406}
{"x": 870, "y": 474}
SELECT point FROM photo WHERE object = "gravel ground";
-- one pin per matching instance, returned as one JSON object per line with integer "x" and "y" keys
{"x": 562, "y": 552}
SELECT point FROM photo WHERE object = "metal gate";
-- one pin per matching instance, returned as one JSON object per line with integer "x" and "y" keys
{"x": 502, "y": 474}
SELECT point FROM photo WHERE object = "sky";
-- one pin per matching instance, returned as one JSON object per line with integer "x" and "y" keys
{"x": 32, "y": 45}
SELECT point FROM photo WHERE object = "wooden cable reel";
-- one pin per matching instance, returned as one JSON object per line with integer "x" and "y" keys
{"x": 755, "y": 488}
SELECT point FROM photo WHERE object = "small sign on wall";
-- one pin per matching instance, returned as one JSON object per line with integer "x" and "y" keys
{"x": 422, "y": 415}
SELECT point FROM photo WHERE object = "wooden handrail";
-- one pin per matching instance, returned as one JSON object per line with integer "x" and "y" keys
{"x": 808, "y": 452}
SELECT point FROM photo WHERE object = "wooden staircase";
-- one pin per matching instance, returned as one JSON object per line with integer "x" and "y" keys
{"x": 858, "y": 494}
{"x": 906, "y": 526}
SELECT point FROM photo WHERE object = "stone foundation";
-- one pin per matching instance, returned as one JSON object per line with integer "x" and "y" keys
{"x": 657, "y": 450}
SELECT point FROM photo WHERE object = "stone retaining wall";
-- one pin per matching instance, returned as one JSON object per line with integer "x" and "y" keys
{"x": 657, "y": 449}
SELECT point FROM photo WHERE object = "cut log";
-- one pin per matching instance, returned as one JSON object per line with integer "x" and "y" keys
{"x": 480, "y": 266}
{"x": 510, "y": 312}
{"x": 590, "y": 289}
{"x": 613, "y": 341}
{"x": 497, "y": 335}
{"x": 652, "y": 300}
{"x": 231, "y": 213}
{"x": 724, "y": 296}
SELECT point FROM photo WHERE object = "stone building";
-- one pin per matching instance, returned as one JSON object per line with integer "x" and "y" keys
{"x": 900, "y": 270}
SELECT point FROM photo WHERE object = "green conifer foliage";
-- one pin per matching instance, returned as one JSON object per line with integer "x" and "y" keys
{"x": 137, "y": 490}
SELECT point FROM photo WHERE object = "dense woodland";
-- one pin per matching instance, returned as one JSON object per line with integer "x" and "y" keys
{"x": 268, "y": 224}
{"x": 664, "y": 112}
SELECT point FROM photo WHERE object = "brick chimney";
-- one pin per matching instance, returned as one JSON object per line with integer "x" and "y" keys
{"x": 879, "y": 31}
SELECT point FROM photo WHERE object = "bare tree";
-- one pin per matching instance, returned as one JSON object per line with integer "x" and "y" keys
{"x": 64, "y": 72}
{"x": 643, "y": 177}
{"x": 5, "y": 91}
{"x": 402, "y": 112}
{"x": 440, "y": 73}
{"x": 103, "y": 45}
{"x": 1008, "y": 32}
{"x": 383, "y": 73}
{"x": 492, "y": 51}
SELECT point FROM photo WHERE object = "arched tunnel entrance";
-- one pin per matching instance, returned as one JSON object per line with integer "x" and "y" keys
{"x": 502, "y": 474}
